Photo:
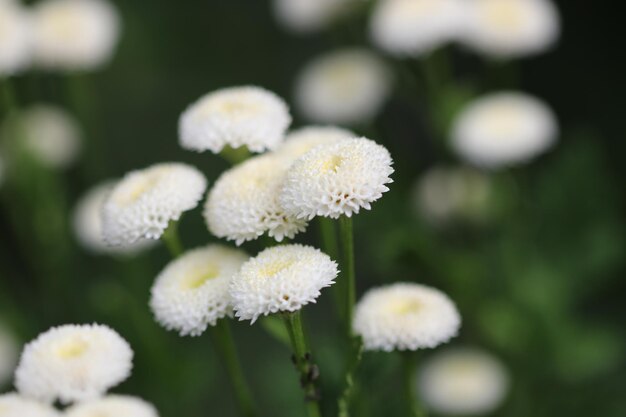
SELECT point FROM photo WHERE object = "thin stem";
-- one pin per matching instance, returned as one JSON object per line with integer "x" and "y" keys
{"x": 302, "y": 360}
{"x": 8, "y": 96}
{"x": 347, "y": 258}
{"x": 354, "y": 360}
{"x": 172, "y": 240}
{"x": 410, "y": 391}
{"x": 328, "y": 242}
{"x": 225, "y": 344}
{"x": 235, "y": 155}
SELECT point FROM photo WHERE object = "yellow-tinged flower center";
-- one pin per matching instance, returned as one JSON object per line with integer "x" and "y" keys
{"x": 72, "y": 348}
{"x": 504, "y": 14}
{"x": 503, "y": 121}
{"x": 331, "y": 164}
{"x": 137, "y": 187}
{"x": 63, "y": 24}
{"x": 272, "y": 268}
{"x": 199, "y": 276}
{"x": 405, "y": 306}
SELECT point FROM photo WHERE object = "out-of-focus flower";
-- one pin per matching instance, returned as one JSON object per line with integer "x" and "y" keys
{"x": 9, "y": 352}
{"x": 73, "y": 363}
{"x": 299, "y": 142}
{"x": 337, "y": 179}
{"x": 75, "y": 35}
{"x": 505, "y": 128}
{"x": 14, "y": 405}
{"x": 415, "y": 27}
{"x": 281, "y": 278}
{"x": 15, "y": 38}
{"x": 309, "y": 15}
{"x": 191, "y": 293}
{"x": 461, "y": 381}
{"x": 343, "y": 87}
{"x": 237, "y": 116}
{"x": 511, "y": 28}
{"x": 143, "y": 203}
{"x": 113, "y": 406}
{"x": 405, "y": 316}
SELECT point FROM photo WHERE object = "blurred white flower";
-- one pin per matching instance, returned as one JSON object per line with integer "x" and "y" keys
{"x": 309, "y": 15}
{"x": 337, "y": 179}
{"x": 237, "y": 116}
{"x": 15, "y": 38}
{"x": 462, "y": 381}
{"x": 143, "y": 203}
{"x": 14, "y": 405}
{"x": 343, "y": 87}
{"x": 9, "y": 352}
{"x": 113, "y": 406}
{"x": 415, "y": 27}
{"x": 405, "y": 316}
{"x": 281, "y": 278}
{"x": 504, "y": 128}
{"x": 300, "y": 141}
{"x": 191, "y": 293}
{"x": 73, "y": 363}
{"x": 511, "y": 28}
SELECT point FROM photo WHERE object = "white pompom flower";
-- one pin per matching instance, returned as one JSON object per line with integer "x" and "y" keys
{"x": 14, "y": 405}
{"x": 511, "y": 28}
{"x": 405, "y": 316}
{"x": 338, "y": 179}
{"x": 415, "y": 27}
{"x": 9, "y": 353}
{"x": 300, "y": 141}
{"x": 113, "y": 406}
{"x": 144, "y": 202}
{"x": 281, "y": 279}
{"x": 305, "y": 16}
{"x": 243, "y": 204}
{"x": 75, "y": 35}
{"x": 463, "y": 381}
{"x": 238, "y": 116}
{"x": 343, "y": 87}
{"x": 191, "y": 293}
{"x": 15, "y": 38}
{"x": 504, "y": 128}
{"x": 73, "y": 363}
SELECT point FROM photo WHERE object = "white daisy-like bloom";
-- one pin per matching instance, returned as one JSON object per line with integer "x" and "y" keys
{"x": 15, "y": 38}
{"x": 237, "y": 116}
{"x": 87, "y": 224}
{"x": 337, "y": 179}
{"x": 463, "y": 381}
{"x": 9, "y": 353}
{"x": 405, "y": 316}
{"x": 52, "y": 135}
{"x": 243, "y": 204}
{"x": 75, "y": 35}
{"x": 113, "y": 406}
{"x": 300, "y": 141}
{"x": 343, "y": 87}
{"x": 191, "y": 293}
{"x": 143, "y": 203}
{"x": 14, "y": 405}
{"x": 281, "y": 278}
{"x": 73, "y": 363}
{"x": 415, "y": 27}
{"x": 510, "y": 28}
{"x": 305, "y": 16}
{"x": 504, "y": 128}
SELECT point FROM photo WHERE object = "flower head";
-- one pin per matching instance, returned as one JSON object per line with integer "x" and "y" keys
{"x": 143, "y": 203}
{"x": 309, "y": 15}
{"x": 281, "y": 278}
{"x": 503, "y": 128}
{"x": 15, "y": 38}
{"x": 299, "y": 142}
{"x": 337, "y": 179}
{"x": 405, "y": 316}
{"x": 236, "y": 116}
{"x": 75, "y": 35}
{"x": 191, "y": 293}
{"x": 113, "y": 406}
{"x": 462, "y": 381}
{"x": 73, "y": 363}
{"x": 346, "y": 87}
{"x": 14, "y": 405}
{"x": 9, "y": 351}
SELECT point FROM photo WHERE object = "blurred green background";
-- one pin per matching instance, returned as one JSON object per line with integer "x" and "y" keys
{"x": 541, "y": 285}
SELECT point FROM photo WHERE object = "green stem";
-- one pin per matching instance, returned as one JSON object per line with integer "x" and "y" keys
{"x": 172, "y": 240}
{"x": 225, "y": 344}
{"x": 8, "y": 97}
{"x": 328, "y": 241}
{"x": 356, "y": 353}
{"x": 347, "y": 258}
{"x": 235, "y": 155}
{"x": 302, "y": 360}
{"x": 410, "y": 391}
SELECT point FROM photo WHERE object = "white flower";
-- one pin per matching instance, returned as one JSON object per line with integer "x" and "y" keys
{"x": 113, "y": 406}
{"x": 9, "y": 352}
{"x": 405, "y": 316}
{"x": 503, "y": 128}
{"x": 191, "y": 293}
{"x": 14, "y": 405}
{"x": 281, "y": 278}
{"x": 87, "y": 224}
{"x": 73, "y": 363}
{"x": 244, "y": 204}
{"x": 511, "y": 28}
{"x": 415, "y": 27}
{"x": 237, "y": 116}
{"x": 143, "y": 203}
{"x": 15, "y": 38}
{"x": 75, "y": 35}
{"x": 309, "y": 15}
{"x": 462, "y": 381}
{"x": 338, "y": 179}
{"x": 299, "y": 142}
{"x": 345, "y": 87}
